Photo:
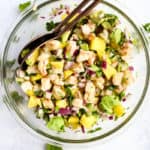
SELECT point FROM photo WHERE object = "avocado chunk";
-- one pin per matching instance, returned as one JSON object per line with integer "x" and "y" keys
{"x": 84, "y": 46}
{"x": 99, "y": 45}
{"x": 56, "y": 123}
{"x": 117, "y": 38}
{"x": 65, "y": 36}
{"x": 107, "y": 103}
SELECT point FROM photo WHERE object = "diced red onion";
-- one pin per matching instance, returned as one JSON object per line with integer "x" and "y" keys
{"x": 104, "y": 64}
{"x": 42, "y": 17}
{"x": 82, "y": 129}
{"x": 84, "y": 102}
{"x": 65, "y": 111}
{"x": 76, "y": 52}
{"x": 131, "y": 68}
{"x": 90, "y": 72}
{"x": 60, "y": 12}
{"x": 124, "y": 99}
{"x": 111, "y": 117}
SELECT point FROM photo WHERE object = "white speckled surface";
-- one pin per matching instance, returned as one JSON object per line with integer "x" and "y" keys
{"x": 13, "y": 137}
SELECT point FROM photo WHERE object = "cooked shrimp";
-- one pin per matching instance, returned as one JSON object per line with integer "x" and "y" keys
{"x": 45, "y": 84}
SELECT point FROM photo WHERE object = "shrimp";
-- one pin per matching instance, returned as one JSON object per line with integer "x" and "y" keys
{"x": 45, "y": 84}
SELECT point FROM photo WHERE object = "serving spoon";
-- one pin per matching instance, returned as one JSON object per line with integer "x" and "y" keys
{"x": 61, "y": 28}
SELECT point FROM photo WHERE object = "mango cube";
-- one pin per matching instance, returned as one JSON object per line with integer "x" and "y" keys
{"x": 67, "y": 73}
{"x": 88, "y": 121}
{"x": 99, "y": 45}
{"x": 33, "y": 102}
{"x": 119, "y": 110}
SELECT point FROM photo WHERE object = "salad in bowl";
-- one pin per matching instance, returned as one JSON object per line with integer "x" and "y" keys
{"x": 81, "y": 78}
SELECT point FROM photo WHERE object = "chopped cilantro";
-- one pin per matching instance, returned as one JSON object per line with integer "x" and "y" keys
{"x": 25, "y": 5}
{"x": 24, "y": 52}
{"x": 16, "y": 96}
{"x": 38, "y": 93}
{"x": 69, "y": 94}
{"x": 50, "y": 25}
{"x": 147, "y": 27}
{"x": 10, "y": 63}
{"x": 95, "y": 130}
{"x": 52, "y": 147}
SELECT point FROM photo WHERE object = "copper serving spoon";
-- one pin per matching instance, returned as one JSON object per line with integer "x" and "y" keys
{"x": 61, "y": 28}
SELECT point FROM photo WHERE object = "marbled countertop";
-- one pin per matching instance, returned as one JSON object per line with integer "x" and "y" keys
{"x": 14, "y": 137}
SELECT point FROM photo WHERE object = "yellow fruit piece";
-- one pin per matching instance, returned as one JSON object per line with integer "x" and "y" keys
{"x": 63, "y": 44}
{"x": 108, "y": 60}
{"x": 33, "y": 102}
{"x": 36, "y": 77}
{"x": 61, "y": 103}
{"x": 109, "y": 71}
{"x": 57, "y": 64}
{"x": 88, "y": 121}
{"x": 30, "y": 92}
{"x": 73, "y": 121}
{"x": 33, "y": 57}
{"x": 119, "y": 110}
{"x": 63, "y": 16}
{"x": 67, "y": 73}
{"x": 99, "y": 45}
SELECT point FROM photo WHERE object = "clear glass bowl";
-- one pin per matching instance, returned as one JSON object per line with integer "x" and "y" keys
{"x": 32, "y": 25}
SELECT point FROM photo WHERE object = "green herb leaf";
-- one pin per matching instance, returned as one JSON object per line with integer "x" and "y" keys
{"x": 38, "y": 93}
{"x": 52, "y": 147}
{"x": 24, "y": 52}
{"x": 147, "y": 27}
{"x": 95, "y": 130}
{"x": 109, "y": 21}
{"x": 16, "y": 96}
{"x": 25, "y": 5}
{"x": 10, "y": 63}
{"x": 69, "y": 94}
{"x": 50, "y": 25}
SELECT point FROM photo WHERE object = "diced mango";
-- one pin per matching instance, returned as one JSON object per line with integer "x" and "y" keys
{"x": 30, "y": 92}
{"x": 57, "y": 64}
{"x": 61, "y": 103}
{"x": 33, "y": 57}
{"x": 119, "y": 110}
{"x": 88, "y": 121}
{"x": 36, "y": 77}
{"x": 109, "y": 71}
{"x": 67, "y": 73}
{"x": 63, "y": 16}
{"x": 33, "y": 102}
{"x": 99, "y": 45}
{"x": 73, "y": 121}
